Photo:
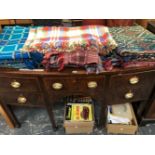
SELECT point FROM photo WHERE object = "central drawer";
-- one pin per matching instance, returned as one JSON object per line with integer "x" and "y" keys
{"x": 23, "y": 99}
{"x": 13, "y": 84}
{"x": 130, "y": 87}
{"x": 65, "y": 85}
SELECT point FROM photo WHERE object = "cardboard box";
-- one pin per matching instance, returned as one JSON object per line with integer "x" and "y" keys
{"x": 79, "y": 127}
{"x": 123, "y": 129}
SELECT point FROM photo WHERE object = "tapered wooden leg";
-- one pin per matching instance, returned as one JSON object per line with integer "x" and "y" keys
{"x": 103, "y": 116}
{"x": 12, "y": 118}
{"x": 6, "y": 117}
{"x": 51, "y": 116}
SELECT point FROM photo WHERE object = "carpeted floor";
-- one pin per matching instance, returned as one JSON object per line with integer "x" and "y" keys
{"x": 35, "y": 121}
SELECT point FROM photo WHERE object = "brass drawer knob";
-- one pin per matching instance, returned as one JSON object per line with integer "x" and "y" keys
{"x": 92, "y": 84}
{"x": 21, "y": 100}
{"x": 134, "y": 80}
{"x": 57, "y": 86}
{"x": 15, "y": 84}
{"x": 129, "y": 95}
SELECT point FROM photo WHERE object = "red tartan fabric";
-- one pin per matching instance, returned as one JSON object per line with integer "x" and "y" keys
{"x": 77, "y": 58}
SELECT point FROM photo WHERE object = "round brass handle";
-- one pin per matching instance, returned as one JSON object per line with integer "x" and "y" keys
{"x": 57, "y": 86}
{"x": 134, "y": 80}
{"x": 21, "y": 99}
{"x": 129, "y": 95}
{"x": 15, "y": 84}
{"x": 92, "y": 84}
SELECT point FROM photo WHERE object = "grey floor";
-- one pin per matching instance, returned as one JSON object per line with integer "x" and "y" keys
{"x": 35, "y": 121}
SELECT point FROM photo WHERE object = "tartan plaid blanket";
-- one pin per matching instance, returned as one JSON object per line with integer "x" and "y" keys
{"x": 78, "y": 58}
{"x": 45, "y": 39}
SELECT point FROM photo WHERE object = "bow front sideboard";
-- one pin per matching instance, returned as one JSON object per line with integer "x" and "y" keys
{"x": 44, "y": 89}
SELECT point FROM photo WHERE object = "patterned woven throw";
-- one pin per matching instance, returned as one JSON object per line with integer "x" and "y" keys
{"x": 77, "y": 58}
{"x": 139, "y": 64}
{"x": 134, "y": 43}
{"x": 12, "y": 39}
{"x": 45, "y": 39}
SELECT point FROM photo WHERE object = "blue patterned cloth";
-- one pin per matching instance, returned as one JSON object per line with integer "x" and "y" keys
{"x": 12, "y": 40}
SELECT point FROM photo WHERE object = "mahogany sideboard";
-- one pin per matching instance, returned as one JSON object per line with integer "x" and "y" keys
{"x": 44, "y": 89}
{"x": 148, "y": 115}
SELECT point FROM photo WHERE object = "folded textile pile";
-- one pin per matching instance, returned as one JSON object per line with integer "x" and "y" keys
{"x": 12, "y": 40}
{"x": 136, "y": 46}
{"x": 79, "y": 58}
{"x": 44, "y": 39}
{"x": 111, "y": 60}
{"x": 71, "y": 46}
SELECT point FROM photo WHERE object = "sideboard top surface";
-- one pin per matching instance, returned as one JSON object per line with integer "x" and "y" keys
{"x": 73, "y": 72}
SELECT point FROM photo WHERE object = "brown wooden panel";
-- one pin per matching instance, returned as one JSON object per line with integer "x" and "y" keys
{"x": 32, "y": 99}
{"x": 120, "y": 85}
{"x": 23, "y": 21}
{"x": 29, "y": 84}
{"x": 119, "y": 22}
{"x": 7, "y": 21}
{"x": 150, "y": 108}
{"x": 75, "y": 84}
{"x": 144, "y": 22}
{"x": 151, "y": 112}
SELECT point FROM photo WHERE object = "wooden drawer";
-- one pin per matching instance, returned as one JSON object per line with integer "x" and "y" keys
{"x": 130, "y": 87}
{"x": 90, "y": 84}
{"x": 124, "y": 128}
{"x": 23, "y": 99}
{"x": 29, "y": 84}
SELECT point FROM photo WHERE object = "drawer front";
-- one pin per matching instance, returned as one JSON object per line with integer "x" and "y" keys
{"x": 23, "y": 99}
{"x": 131, "y": 87}
{"x": 29, "y": 84}
{"x": 65, "y": 85}
{"x": 122, "y": 129}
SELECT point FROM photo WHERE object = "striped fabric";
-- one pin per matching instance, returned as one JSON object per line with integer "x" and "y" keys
{"x": 45, "y": 39}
